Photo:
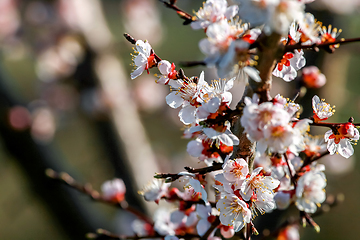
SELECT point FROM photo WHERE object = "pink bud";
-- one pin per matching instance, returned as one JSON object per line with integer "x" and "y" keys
{"x": 312, "y": 77}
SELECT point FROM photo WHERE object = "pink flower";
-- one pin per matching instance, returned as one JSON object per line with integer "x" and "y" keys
{"x": 312, "y": 77}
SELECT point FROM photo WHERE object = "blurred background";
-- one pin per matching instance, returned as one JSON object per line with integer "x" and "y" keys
{"x": 67, "y": 103}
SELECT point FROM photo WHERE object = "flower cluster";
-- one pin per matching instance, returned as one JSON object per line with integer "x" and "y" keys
{"x": 281, "y": 169}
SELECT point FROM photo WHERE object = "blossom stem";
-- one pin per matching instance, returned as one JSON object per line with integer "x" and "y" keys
{"x": 248, "y": 231}
{"x": 292, "y": 176}
{"x": 93, "y": 194}
{"x": 132, "y": 40}
{"x": 184, "y": 15}
{"x": 314, "y": 158}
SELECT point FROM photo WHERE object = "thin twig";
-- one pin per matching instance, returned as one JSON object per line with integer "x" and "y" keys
{"x": 93, "y": 194}
{"x": 170, "y": 177}
{"x": 292, "y": 176}
{"x": 290, "y": 48}
{"x": 184, "y": 15}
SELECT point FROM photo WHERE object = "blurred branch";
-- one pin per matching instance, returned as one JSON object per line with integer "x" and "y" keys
{"x": 102, "y": 234}
{"x": 122, "y": 133}
{"x": 76, "y": 217}
{"x": 93, "y": 194}
{"x": 330, "y": 202}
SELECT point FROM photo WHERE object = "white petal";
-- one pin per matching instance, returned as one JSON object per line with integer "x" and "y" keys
{"x": 137, "y": 72}
{"x": 187, "y": 114}
{"x": 213, "y": 105}
{"x": 252, "y": 73}
{"x": 174, "y": 99}
{"x": 195, "y": 148}
{"x": 345, "y": 148}
{"x": 231, "y": 11}
{"x": 164, "y": 67}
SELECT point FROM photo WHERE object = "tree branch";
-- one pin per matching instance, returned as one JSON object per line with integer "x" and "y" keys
{"x": 93, "y": 194}
{"x": 184, "y": 15}
{"x": 291, "y": 48}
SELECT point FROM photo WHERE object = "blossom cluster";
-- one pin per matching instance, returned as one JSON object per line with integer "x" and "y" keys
{"x": 285, "y": 171}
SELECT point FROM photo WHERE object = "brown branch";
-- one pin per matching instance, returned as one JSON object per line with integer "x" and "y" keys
{"x": 93, "y": 194}
{"x": 270, "y": 50}
{"x": 102, "y": 234}
{"x": 170, "y": 177}
{"x": 130, "y": 38}
{"x": 184, "y": 15}
{"x": 308, "y": 161}
{"x": 290, "y": 48}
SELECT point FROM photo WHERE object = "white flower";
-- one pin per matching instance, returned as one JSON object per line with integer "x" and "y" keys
{"x": 310, "y": 191}
{"x": 187, "y": 95}
{"x": 235, "y": 171}
{"x": 213, "y": 11}
{"x": 162, "y": 223}
{"x": 310, "y": 29}
{"x": 288, "y": 105}
{"x": 314, "y": 145}
{"x": 219, "y": 37}
{"x": 256, "y": 118}
{"x": 284, "y": 13}
{"x": 289, "y": 64}
{"x": 144, "y": 60}
{"x": 261, "y": 185}
{"x": 155, "y": 190}
{"x": 322, "y": 110}
{"x": 262, "y": 202}
{"x": 300, "y": 130}
{"x": 340, "y": 142}
{"x": 233, "y": 212}
{"x": 114, "y": 190}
